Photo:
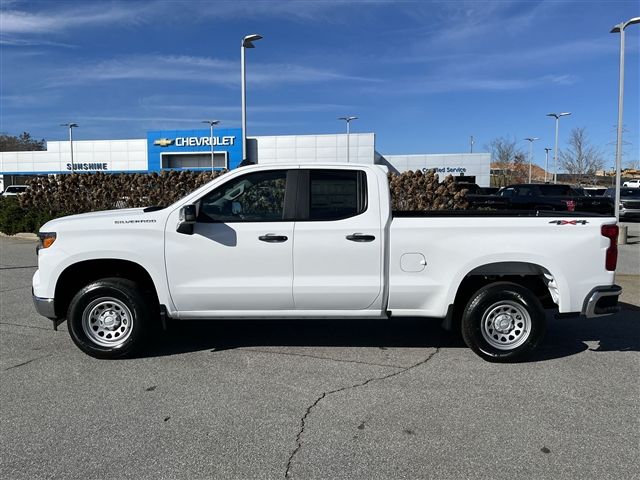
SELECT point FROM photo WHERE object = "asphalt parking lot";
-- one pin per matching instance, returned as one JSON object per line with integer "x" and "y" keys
{"x": 317, "y": 399}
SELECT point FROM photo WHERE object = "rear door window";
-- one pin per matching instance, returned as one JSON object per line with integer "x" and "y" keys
{"x": 336, "y": 194}
{"x": 526, "y": 191}
{"x": 555, "y": 190}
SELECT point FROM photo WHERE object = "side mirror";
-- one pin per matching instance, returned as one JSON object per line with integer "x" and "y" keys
{"x": 186, "y": 219}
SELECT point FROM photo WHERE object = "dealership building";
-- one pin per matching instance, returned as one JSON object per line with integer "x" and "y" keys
{"x": 191, "y": 150}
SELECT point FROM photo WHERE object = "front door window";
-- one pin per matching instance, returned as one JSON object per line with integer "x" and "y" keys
{"x": 256, "y": 197}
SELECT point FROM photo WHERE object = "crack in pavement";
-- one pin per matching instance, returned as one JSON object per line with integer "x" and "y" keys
{"x": 15, "y": 268}
{"x": 13, "y": 241}
{"x": 303, "y": 420}
{"x": 332, "y": 359}
{"x": 27, "y": 362}
{"x": 25, "y": 326}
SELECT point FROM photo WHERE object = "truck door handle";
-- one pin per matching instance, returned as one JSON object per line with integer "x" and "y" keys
{"x": 360, "y": 237}
{"x": 272, "y": 238}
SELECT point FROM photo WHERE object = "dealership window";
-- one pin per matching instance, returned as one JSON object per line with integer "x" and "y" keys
{"x": 255, "y": 197}
{"x": 336, "y": 194}
{"x": 194, "y": 160}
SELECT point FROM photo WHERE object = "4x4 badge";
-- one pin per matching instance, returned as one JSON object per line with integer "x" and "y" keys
{"x": 569, "y": 222}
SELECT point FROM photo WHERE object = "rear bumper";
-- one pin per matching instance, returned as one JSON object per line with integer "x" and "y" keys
{"x": 44, "y": 306}
{"x": 602, "y": 301}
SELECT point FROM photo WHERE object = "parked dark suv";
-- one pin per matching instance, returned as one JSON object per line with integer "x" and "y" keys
{"x": 547, "y": 197}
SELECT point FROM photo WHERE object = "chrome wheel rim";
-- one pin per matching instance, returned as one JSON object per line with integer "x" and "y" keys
{"x": 107, "y": 322}
{"x": 506, "y": 325}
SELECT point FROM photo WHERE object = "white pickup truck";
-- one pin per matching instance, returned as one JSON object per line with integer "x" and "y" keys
{"x": 301, "y": 241}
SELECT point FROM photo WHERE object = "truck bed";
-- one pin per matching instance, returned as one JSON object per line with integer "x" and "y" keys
{"x": 492, "y": 213}
{"x": 566, "y": 248}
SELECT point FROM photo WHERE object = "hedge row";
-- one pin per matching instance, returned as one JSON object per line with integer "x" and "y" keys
{"x": 51, "y": 197}
{"x": 15, "y": 218}
{"x": 418, "y": 191}
{"x": 79, "y": 193}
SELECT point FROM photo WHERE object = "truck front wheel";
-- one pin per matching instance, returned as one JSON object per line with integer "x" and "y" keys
{"x": 106, "y": 319}
{"x": 503, "y": 322}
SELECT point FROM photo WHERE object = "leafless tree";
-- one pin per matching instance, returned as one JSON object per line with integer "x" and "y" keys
{"x": 581, "y": 159}
{"x": 509, "y": 159}
{"x": 633, "y": 164}
{"x": 520, "y": 168}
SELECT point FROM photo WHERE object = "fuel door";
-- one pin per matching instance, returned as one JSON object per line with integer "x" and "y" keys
{"x": 412, "y": 262}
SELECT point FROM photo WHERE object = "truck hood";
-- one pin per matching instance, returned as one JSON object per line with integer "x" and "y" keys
{"x": 106, "y": 215}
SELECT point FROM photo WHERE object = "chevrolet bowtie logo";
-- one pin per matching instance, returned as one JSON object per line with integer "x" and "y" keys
{"x": 163, "y": 142}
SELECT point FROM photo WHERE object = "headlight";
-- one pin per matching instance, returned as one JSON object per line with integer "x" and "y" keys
{"x": 46, "y": 239}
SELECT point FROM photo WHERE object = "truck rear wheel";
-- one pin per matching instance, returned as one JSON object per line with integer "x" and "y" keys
{"x": 503, "y": 322}
{"x": 106, "y": 319}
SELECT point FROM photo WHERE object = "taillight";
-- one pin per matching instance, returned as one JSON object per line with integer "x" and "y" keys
{"x": 571, "y": 205}
{"x": 611, "y": 258}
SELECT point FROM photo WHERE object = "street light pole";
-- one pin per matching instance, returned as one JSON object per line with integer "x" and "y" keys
{"x": 471, "y": 142}
{"x": 546, "y": 162}
{"x": 71, "y": 127}
{"x": 211, "y": 124}
{"x": 348, "y": 121}
{"x": 246, "y": 43}
{"x": 555, "y": 151}
{"x": 531, "y": 140}
{"x": 613, "y": 174}
{"x": 620, "y": 29}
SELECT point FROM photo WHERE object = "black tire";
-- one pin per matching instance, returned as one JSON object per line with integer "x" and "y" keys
{"x": 108, "y": 317}
{"x": 503, "y": 322}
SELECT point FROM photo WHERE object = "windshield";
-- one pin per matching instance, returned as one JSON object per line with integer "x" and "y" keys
{"x": 506, "y": 192}
{"x": 15, "y": 189}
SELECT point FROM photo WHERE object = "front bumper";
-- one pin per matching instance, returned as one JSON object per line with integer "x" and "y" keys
{"x": 44, "y": 306}
{"x": 629, "y": 212}
{"x": 602, "y": 301}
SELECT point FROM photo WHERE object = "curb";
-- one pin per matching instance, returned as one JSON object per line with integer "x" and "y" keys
{"x": 24, "y": 235}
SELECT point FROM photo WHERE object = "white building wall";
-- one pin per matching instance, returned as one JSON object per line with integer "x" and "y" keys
{"x": 119, "y": 155}
{"x": 475, "y": 164}
{"x": 131, "y": 155}
{"x": 312, "y": 148}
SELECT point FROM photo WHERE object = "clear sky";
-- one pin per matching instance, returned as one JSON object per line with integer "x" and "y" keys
{"x": 423, "y": 76}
